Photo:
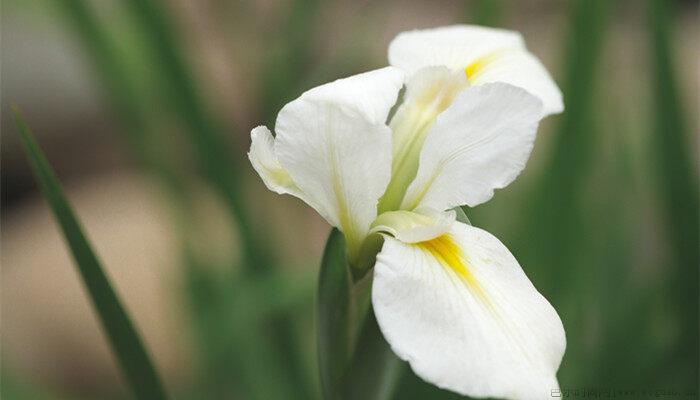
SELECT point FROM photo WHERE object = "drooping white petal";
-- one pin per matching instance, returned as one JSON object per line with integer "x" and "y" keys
{"x": 480, "y": 143}
{"x": 485, "y": 54}
{"x": 414, "y": 226}
{"x": 264, "y": 160}
{"x": 462, "y": 312}
{"x": 335, "y": 145}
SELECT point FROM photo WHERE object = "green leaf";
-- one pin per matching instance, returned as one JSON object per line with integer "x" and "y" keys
{"x": 204, "y": 131}
{"x": 333, "y": 315}
{"x": 355, "y": 361}
{"x": 375, "y": 370}
{"x": 212, "y": 150}
{"x": 109, "y": 65}
{"x": 676, "y": 182}
{"x": 126, "y": 344}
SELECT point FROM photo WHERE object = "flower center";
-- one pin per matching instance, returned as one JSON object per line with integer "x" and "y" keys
{"x": 429, "y": 92}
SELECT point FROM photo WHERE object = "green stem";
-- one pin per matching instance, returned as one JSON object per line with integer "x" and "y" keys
{"x": 355, "y": 361}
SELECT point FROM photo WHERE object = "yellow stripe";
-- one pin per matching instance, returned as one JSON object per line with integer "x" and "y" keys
{"x": 448, "y": 253}
{"x": 479, "y": 65}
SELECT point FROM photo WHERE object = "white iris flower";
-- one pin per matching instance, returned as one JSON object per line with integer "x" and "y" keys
{"x": 449, "y": 298}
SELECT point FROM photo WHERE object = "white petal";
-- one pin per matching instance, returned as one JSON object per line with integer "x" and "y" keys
{"x": 414, "y": 226}
{"x": 429, "y": 92}
{"x": 495, "y": 55}
{"x": 522, "y": 69}
{"x": 480, "y": 143}
{"x": 462, "y": 312}
{"x": 262, "y": 156}
{"x": 452, "y": 46}
{"x": 372, "y": 94}
{"x": 335, "y": 144}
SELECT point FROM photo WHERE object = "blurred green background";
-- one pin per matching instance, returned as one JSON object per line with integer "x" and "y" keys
{"x": 144, "y": 108}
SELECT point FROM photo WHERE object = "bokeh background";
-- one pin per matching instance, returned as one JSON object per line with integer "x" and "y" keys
{"x": 144, "y": 109}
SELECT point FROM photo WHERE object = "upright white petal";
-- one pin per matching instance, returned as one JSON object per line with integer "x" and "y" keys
{"x": 454, "y": 46}
{"x": 522, "y": 69}
{"x": 486, "y": 54}
{"x": 480, "y": 143}
{"x": 334, "y": 143}
{"x": 461, "y": 311}
{"x": 429, "y": 92}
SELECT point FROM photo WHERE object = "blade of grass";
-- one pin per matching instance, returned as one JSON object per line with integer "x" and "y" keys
{"x": 124, "y": 340}
{"x": 125, "y": 98}
{"x": 555, "y": 240}
{"x": 239, "y": 361}
{"x": 204, "y": 132}
{"x": 559, "y": 195}
{"x": 208, "y": 310}
{"x": 123, "y": 95}
{"x": 214, "y": 156}
{"x": 676, "y": 184}
{"x": 293, "y": 50}
{"x": 621, "y": 308}
{"x": 486, "y": 12}
{"x": 106, "y": 63}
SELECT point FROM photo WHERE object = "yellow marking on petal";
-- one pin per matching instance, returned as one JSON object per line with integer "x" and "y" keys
{"x": 278, "y": 175}
{"x": 480, "y": 64}
{"x": 449, "y": 255}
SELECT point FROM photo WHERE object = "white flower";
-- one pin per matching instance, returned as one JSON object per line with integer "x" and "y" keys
{"x": 449, "y": 298}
